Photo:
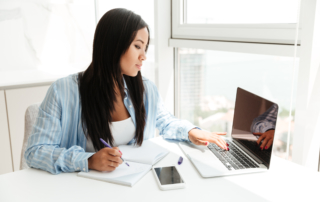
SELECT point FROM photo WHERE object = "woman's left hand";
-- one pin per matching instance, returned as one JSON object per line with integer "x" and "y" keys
{"x": 200, "y": 137}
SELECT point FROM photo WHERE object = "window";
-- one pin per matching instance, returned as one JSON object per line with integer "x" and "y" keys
{"x": 208, "y": 81}
{"x": 241, "y": 12}
{"x": 232, "y": 20}
{"x": 220, "y": 46}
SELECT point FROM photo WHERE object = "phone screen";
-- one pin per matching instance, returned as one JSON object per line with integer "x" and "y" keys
{"x": 168, "y": 175}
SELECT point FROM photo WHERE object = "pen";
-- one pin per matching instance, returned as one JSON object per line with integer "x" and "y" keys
{"x": 180, "y": 160}
{"x": 107, "y": 145}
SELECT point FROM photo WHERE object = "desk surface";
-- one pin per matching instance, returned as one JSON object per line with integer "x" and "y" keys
{"x": 285, "y": 181}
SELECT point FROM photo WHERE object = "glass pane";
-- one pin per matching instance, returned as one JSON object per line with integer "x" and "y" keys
{"x": 209, "y": 80}
{"x": 144, "y": 8}
{"x": 241, "y": 12}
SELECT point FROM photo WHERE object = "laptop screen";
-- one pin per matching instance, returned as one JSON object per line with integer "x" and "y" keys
{"x": 254, "y": 122}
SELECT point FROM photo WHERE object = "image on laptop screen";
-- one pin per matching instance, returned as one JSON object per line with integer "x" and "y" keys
{"x": 254, "y": 117}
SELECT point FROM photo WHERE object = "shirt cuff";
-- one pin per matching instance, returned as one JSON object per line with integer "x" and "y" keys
{"x": 267, "y": 128}
{"x": 81, "y": 162}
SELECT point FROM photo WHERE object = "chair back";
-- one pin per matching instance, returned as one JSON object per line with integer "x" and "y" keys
{"x": 30, "y": 119}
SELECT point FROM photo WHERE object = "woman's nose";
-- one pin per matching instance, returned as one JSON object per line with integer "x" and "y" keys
{"x": 143, "y": 56}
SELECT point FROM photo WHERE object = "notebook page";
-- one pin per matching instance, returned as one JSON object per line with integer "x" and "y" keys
{"x": 121, "y": 175}
{"x": 121, "y": 170}
{"x": 148, "y": 153}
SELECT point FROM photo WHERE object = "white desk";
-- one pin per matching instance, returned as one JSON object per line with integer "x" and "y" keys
{"x": 285, "y": 181}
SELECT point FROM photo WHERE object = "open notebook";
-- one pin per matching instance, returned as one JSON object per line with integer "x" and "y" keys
{"x": 140, "y": 160}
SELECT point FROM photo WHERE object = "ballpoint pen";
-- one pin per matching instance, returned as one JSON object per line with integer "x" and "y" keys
{"x": 107, "y": 145}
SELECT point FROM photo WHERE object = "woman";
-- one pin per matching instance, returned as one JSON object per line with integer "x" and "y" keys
{"x": 110, "y": 100}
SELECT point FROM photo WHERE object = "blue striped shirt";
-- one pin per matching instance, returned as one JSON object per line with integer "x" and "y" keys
{"x": 57, "y": 142}
{"x": 266, "y": 121}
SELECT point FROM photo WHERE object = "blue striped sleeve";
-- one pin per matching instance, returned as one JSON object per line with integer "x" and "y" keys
{"x": 168, "y": 125}
{"x": 266, "y": 121}
{"x": 43, "y": 148}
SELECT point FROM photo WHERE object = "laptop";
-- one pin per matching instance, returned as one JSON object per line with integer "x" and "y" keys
{"x": 252, "y": 114}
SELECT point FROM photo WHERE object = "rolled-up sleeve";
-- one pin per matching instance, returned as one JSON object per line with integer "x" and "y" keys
{"x": 168, "y": 125}
{"x": 43, "y": 148}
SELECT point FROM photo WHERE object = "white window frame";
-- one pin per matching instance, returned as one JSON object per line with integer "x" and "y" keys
{"x": 254, "y": 48}
{"x": 283, "y": 33}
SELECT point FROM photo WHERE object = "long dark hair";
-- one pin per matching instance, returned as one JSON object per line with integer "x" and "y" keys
{"x": 113, "y": 36}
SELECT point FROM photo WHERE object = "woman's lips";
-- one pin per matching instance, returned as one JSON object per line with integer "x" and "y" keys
{"x": 139, "y": 66}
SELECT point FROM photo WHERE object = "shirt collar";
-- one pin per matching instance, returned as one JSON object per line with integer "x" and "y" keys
{"x": 125, "y": 88}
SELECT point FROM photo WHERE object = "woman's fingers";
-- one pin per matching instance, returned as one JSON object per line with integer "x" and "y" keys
{"x": 220, "y": 133}
{"x": 106, "y": 159}
{"x": 113, "y": 164}
{"x": 222, "y": 141}
{"x": 218, "y": 141}
{"x": 261, "y": 138}
{"x": 203, "y": 138}
{"x": 114, "y": 151}
{"x": 263, "y": 144}
{"x": 266, "y": 143}
{"x": 258, "y": 134}
{"x": 269, "y": 143}
{"x": 199, "y": 139}
{"x": 110, "y": 168}
{"x": 201, "y": 142}
{"x": 267, "y": 138}
{"x": 114, "y": 159}
{"x": 222, "y": 145}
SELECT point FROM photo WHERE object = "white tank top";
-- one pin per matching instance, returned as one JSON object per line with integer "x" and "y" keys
{"x": 122, "y": 131}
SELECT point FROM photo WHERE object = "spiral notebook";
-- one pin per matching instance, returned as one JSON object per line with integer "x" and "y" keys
{"x": 140, "y": 160}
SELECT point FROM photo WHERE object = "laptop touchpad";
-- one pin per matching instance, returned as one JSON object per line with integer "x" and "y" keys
{"x": 204, "y": 160}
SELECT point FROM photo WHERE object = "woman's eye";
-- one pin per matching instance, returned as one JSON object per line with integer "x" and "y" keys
{"x": 138, "y": 47}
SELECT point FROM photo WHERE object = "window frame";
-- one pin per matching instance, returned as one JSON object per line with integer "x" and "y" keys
{"x": 283, "y": 33}
{"x": 255, "y": 48}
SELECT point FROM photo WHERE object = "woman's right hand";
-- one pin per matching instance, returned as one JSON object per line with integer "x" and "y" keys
{"x": 267, "y": 138}
{"x": 107, "y": 159}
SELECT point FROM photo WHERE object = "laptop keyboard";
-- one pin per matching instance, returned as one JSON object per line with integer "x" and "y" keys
{"x": 265, "y": 155}
{"x": 234, "y": 158}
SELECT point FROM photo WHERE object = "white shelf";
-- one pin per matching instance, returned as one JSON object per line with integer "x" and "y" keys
{"x": 30, "y": 78}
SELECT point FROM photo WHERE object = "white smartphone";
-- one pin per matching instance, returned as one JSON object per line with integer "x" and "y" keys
{"x": 168, "y": 177}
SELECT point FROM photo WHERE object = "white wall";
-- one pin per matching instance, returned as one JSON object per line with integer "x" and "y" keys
{"x": 45, "y": 34}
{"x": 164, "y": 53}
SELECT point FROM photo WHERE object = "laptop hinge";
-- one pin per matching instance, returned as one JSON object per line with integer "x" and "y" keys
{"x": 247, "y": 151}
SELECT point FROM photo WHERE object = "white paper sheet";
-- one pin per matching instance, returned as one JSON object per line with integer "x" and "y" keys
{"x": 121, "y": 175}
{"x": 148, "y": 153}
{"x": 121, "y": 170}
